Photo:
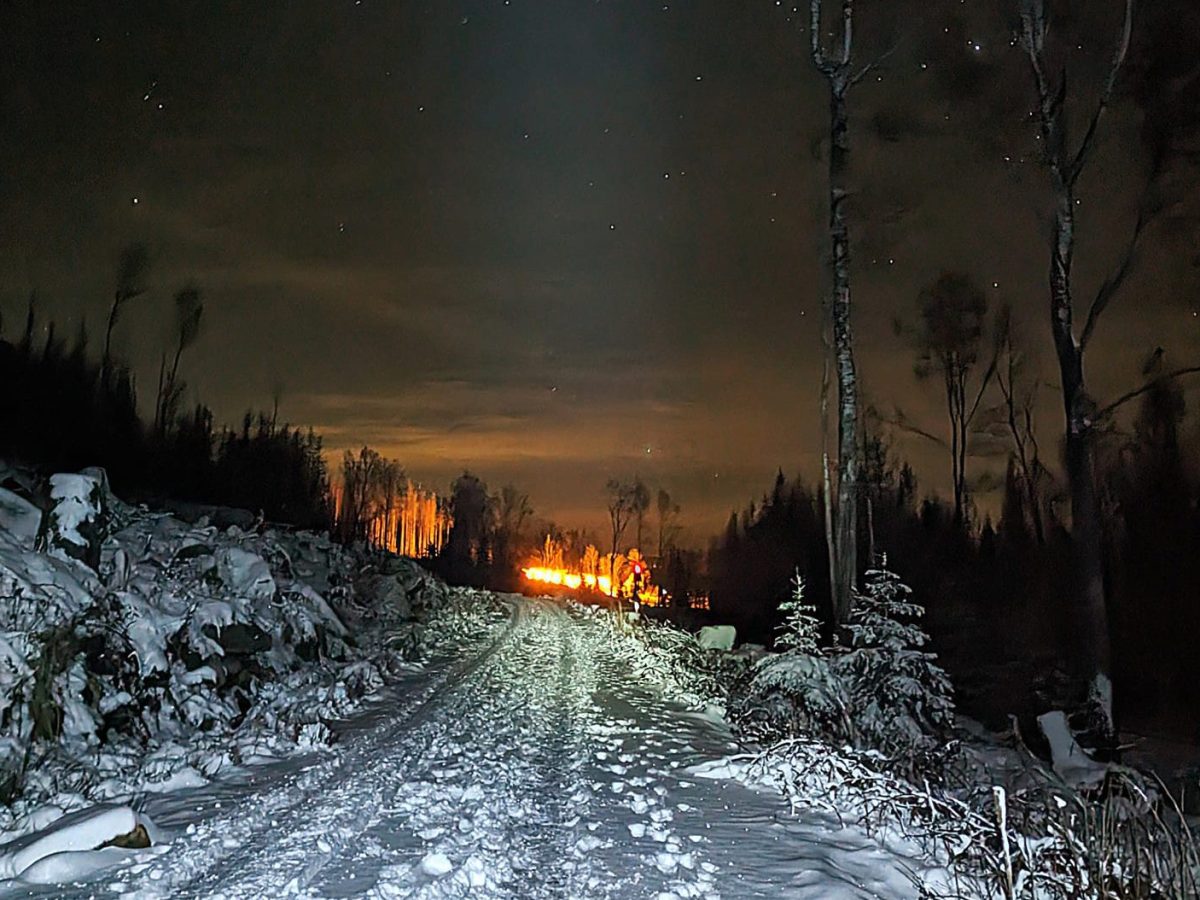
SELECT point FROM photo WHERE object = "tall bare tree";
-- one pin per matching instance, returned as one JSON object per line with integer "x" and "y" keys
{"x": 668, "y": 525}
{"x": 641, "y": 505}
{"x": 1065, "y": 163}
{"x": 189, "y": 311}
{"x": 1018, "y": 389}
{"x": 131, "y": 273}
{"x": 835, "y": 64}
{"x": 948, "y": 341}
{"x": 621, "y": 506}
{"x": 513, "y": 510}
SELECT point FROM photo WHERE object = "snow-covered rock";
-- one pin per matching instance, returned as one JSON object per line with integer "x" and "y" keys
{"x": 717, "y": 637}
{"x": 142, "y": 652}
{"x": 79, "y": 517}
{"x": 20, "y": 518}
{"x": 436, "y": 865}
{"x": 64, "y": 849}
{"x": 245, "y": 574}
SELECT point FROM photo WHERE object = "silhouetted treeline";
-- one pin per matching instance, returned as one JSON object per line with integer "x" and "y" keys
{"x": 61, "y": 410}
{"x": 468, "y": 557}
{"x": 998, "y": 595}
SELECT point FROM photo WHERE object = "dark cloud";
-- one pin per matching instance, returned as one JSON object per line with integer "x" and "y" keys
{"x": 543, "y": 238}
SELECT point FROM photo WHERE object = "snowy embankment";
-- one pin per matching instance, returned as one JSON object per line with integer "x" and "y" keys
{"x": 141, "y": 654}
{"x": 865, "y": 735}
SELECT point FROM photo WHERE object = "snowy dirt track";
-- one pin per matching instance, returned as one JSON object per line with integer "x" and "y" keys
{"x": 535, "y": 766}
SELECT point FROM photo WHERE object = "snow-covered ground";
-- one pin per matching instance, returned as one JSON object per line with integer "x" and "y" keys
{"x": 532, "y": 764}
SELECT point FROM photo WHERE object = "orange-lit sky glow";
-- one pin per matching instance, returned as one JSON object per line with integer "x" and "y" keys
{"x": 557, "y": 242}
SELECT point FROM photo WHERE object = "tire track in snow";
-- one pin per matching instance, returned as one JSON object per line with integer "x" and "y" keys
{"x": 493, "y": 800}
{"x": 255, "y": 841}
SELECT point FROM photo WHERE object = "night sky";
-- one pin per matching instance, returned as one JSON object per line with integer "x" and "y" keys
{"x": 559, "y": 240}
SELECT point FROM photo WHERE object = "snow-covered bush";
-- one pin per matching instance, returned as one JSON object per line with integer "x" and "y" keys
{"x": 1044, "y": 841}
{"x": 796, "y": 692}
{"x": 883, "y": 693}
{"x": 669, "y": 656}
{"x": 901, "y": 699}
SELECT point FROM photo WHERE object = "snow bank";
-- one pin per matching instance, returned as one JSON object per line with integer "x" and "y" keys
{"x": 717, "y": 637}
{"x": 70, "y": 846}
{"x": 142, "y": 652}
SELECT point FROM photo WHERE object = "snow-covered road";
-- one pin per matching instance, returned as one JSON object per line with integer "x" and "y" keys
{"x": 535, "y": 766}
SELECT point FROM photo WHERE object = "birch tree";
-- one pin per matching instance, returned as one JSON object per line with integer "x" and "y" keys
{"x": 1065, "y": 163}
{"x": 835, "y": 64}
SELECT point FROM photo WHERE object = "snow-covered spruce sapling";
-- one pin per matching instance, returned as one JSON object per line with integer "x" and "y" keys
{"x": 796, "y": 692}
{"x": 902, "y": 699}
{"x": 801, "y": 627}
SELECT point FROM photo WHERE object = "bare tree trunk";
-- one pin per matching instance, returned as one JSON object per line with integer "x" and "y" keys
{"x": 826, "y": 480}
{"x": 843, "y": 341}
{"x": 871, "y": 559}
{"x": 1022, "y": 432}
{"x": 1086, "y": 532}
{"x": 845, "y": 529}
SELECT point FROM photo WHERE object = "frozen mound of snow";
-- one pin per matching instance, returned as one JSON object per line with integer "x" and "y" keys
{"x": 71, "y": 845}
{"x": 20, "y": 518}
{"x": 717, "y": 637}
{"x": 78, "y": 516}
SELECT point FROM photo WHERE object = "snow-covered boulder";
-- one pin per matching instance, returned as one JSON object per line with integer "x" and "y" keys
{"x": 65, "y": 850}
{"x": 78, "y": 519}
{"x": 245, "y": 574}
{"x": 20, "y": 518}
{"x": 717, "y": 637}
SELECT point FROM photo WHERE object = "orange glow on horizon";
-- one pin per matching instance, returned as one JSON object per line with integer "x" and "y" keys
{"x": 572, "y": 580}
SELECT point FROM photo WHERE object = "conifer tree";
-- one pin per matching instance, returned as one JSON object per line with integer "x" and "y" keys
{"x": 801, "y": 627}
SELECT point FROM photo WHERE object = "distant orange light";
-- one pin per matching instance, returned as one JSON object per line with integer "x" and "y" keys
{"x": 648, "y": 594}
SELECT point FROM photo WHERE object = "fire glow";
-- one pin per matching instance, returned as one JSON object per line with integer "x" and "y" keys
{"x": 638, "y": 573}
{"x": 572, "y": 580}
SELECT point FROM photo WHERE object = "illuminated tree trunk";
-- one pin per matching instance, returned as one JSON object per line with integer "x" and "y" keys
{"x": 845, "y": 513}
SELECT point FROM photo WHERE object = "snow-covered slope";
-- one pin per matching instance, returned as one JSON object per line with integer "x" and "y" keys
{"x": 141, "y": 653}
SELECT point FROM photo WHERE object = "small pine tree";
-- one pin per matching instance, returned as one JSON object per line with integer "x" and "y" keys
{"x": 801, "y": 627}
{"x": 797, "y": 691}
{"x": 902, "y": 699}
{"x": 884, "y": 616}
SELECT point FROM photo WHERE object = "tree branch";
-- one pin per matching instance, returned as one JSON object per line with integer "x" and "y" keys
{"x": 820, "y": 59}
{"x": 1113, "y": 283}
{"x": 1122, "y": 51}
{"x": 987, "y": 377}
{"x": 848, "y": 30}
{"x": 901, "y": 421}
{"x": 874, "y": 64}
{"x": 1148, "y": 386}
